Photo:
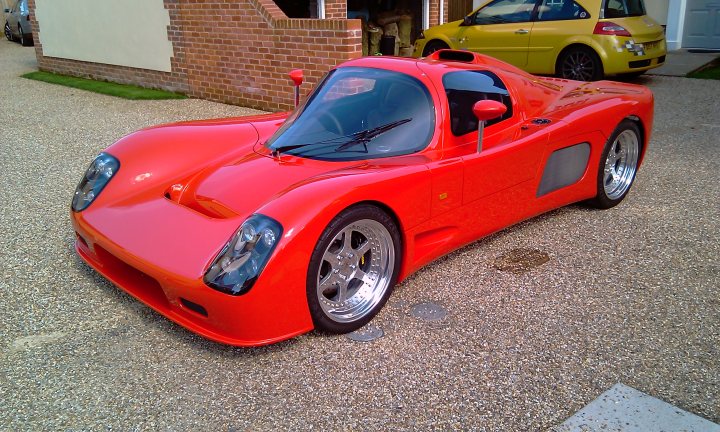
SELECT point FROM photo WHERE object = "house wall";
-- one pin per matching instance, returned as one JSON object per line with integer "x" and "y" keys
{"x": 85, "y": 29}
{"x": 229, "y": 51}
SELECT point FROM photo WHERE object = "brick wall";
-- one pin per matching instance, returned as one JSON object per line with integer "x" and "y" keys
{"x": 233, "y": 51}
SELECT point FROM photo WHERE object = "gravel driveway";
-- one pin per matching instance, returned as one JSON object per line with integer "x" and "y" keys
{"x": 628, "y": 295}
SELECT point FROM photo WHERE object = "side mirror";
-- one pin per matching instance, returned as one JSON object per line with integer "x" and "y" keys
{"x": 486, "y": 110}
{"x": 6, "y": 10}
{"x": 468, "y": 20}
{"x": 296, "y": 75}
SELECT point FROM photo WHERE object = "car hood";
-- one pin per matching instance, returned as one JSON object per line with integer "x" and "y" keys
{"x": 242, "y": 186}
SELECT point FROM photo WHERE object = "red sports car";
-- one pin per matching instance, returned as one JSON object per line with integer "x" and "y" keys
{"x": 253, "y": 230}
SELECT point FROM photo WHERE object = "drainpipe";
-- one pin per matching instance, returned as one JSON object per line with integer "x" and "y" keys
{"x": 442, "y": 12}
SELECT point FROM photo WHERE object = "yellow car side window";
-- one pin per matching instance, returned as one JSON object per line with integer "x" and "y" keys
{"x": 505, "y": 11}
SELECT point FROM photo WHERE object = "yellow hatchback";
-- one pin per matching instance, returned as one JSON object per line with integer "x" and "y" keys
{"x": 574, "y": 39}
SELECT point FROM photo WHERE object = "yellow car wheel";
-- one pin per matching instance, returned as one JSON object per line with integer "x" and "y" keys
{"x": 433, "y": 46}
{"x": 579, "y": 63}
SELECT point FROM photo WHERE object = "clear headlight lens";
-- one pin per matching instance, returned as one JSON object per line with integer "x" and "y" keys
{"x": 98, "y": 174}
{"x": 241, "y": 261}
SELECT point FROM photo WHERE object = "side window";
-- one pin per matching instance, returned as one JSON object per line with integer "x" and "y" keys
{"x": 556, "y": 10}
{"x": 505, "y": 11}
{"x": 463, "y": 89}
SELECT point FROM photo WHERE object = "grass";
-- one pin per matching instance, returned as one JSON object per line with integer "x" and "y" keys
{"x": 709, "y": 71}
{"x": 108, "y": 88}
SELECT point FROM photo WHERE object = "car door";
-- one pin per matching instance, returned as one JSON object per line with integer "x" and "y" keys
{"x": 500, "y": 29}
{"x": 557, "y": 22}
{"x": 496, "y": 189}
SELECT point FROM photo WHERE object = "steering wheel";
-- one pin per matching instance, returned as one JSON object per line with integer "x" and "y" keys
{"x": 331, "y": 122}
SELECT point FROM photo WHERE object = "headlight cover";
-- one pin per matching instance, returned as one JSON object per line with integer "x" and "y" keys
{"x": 243, "y": 258}
{"x": 98, "y": 174}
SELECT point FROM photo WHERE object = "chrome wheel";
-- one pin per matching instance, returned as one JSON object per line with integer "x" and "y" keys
{"x": 8, "y": 32}
{"x": 355, "y": 271}
{"x": 580, "y": 65}
{"x": 621, "y": 164}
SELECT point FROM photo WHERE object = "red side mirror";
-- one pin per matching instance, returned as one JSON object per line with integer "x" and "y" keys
{"x": 297, "y": 76}
{"x": 486, "y": 110}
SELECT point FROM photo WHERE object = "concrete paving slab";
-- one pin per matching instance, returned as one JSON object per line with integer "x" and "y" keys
{"x": 682, "y": 62}
{"x": 624, "y": 409}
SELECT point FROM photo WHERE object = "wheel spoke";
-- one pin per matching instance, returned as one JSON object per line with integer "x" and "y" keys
{"x": 347, "y": 240}
{"x": 342, "y": 285}
{"x": 330, "y": 257}
{"x": 363, "y": 248}
{"x": 327, "y": 282}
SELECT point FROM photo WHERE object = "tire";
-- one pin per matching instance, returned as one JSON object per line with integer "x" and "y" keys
{"x": 8, "y": 32}
{"x": 433, "y": 46}
{"x": 361, "y": 242}
{"x": 618, "y": 165}
{"x": 24, "y": 40}
{"x": 579, "y": 63}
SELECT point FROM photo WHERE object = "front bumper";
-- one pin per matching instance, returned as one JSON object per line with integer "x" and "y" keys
{"x": 262, "y": 316}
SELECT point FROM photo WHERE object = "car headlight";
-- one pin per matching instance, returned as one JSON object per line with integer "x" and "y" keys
{"x": 98, "y": 174}
{"x": 243, "y": 258}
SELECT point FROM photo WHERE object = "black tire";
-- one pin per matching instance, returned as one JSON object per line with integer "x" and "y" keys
{"x": 579, "y": 63}
{"x": 344, "y": 310}
{"x": 628, "y": 138}
{"x": 433, "y": 46}
{"x": 8, "y": 32}
{"x": 24, "y": 40}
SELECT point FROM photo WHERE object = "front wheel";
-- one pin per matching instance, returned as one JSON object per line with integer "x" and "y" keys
{"x": 618, "y": 165}
{"x": 581, "y": 64}
{"x": 353, "y": 269}
{"x": 8, "y": 32}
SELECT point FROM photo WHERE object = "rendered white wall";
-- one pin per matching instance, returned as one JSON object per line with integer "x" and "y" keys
{"x": 658, "y": 10}
{"x": 125, "y": 33}
{"x": 675, "y": 24}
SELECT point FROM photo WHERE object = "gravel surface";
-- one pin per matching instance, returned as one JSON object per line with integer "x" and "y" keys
{"x": 628, "y": 295}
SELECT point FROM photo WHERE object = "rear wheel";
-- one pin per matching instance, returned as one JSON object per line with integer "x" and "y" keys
{"x": 24, "y": 39}
{"x": 353, "y": 269}
{"x": 581, "y": 64}
{"x": 618, "y": 165}
{"x": 433, "y": 46}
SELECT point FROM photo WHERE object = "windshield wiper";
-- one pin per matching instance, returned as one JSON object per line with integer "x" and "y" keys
{"x": 346, "y": 141}
{"x": 364, "y": 137}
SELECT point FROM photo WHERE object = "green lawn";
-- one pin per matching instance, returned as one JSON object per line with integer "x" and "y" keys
{"x": 709, "y": 71}
{"x": 108, "y": 88}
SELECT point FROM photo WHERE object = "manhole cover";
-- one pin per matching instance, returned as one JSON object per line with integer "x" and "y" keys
{"x": 520, "y": 260}
{"x": 368, "y": 333}
{"x": 428, "y": 311}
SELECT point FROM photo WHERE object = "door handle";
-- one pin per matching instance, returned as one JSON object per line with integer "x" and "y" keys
{"x": 522, "y": 31}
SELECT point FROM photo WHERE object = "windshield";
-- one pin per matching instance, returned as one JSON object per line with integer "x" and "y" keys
{"x": 624, "y": 8}
{"x": 359, "y": 113}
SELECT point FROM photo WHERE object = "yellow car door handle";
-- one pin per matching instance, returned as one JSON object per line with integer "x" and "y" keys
{"x": 522, "y": 31}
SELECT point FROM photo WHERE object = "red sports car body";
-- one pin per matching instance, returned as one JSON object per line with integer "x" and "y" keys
{"x": 253, "y": 230}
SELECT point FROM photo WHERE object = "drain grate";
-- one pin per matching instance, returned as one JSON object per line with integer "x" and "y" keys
{"x": 520, "y": 260}
{"x": 428, "y": 311}
{"x": 368, "y": 333}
